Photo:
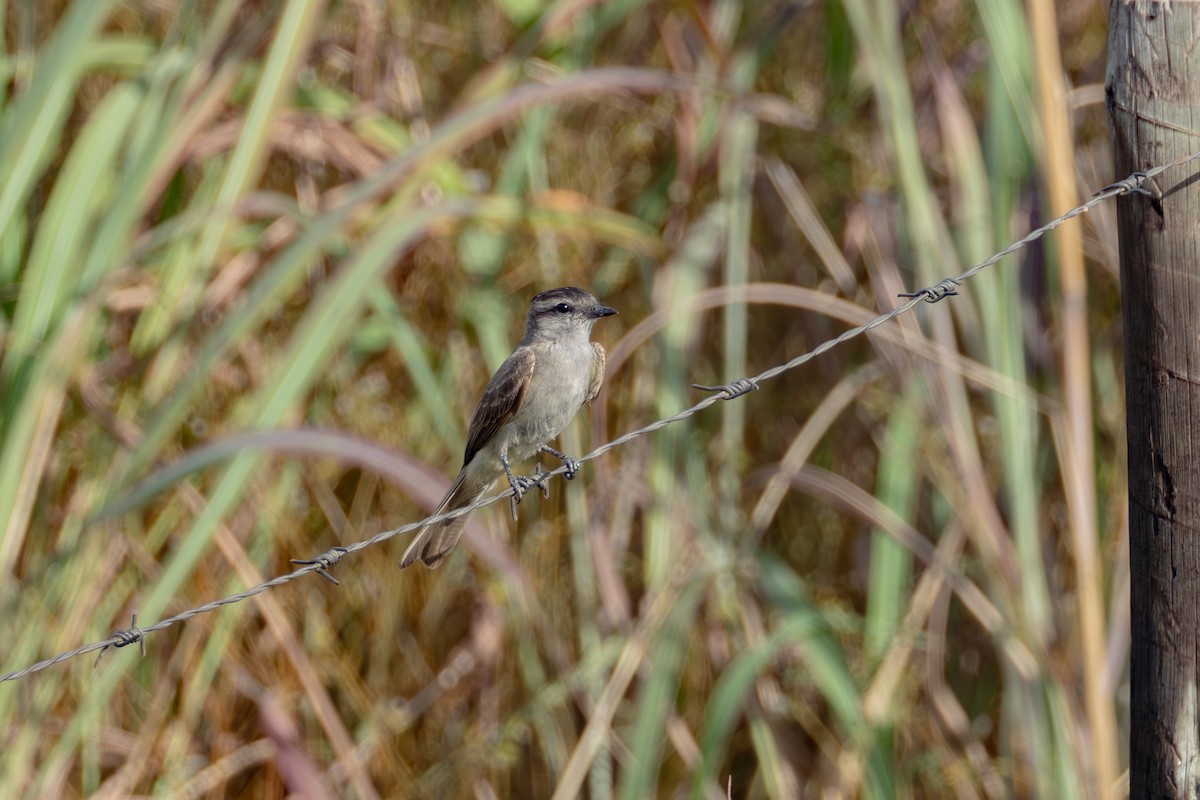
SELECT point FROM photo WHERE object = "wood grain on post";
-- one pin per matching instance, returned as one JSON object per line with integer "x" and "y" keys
{"x": 1153, "y": 91}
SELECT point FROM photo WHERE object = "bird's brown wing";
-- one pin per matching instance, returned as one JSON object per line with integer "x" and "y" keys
{"x": 503, "y": 396}
{"x": 597, "y": 372}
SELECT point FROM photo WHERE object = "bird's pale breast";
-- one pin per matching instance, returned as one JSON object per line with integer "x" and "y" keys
{"x": 556, "y": 392}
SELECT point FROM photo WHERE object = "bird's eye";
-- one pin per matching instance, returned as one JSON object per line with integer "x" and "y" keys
{"x": 563, "y": 308}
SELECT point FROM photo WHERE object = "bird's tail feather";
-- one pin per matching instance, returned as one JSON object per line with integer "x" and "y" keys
{"x": 434, "y": 542}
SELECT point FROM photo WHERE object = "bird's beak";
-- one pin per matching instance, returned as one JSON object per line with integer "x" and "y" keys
{"x": 602, "y": 311}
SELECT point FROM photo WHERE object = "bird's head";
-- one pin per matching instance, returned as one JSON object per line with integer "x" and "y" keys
{"x": 557, "y": 313}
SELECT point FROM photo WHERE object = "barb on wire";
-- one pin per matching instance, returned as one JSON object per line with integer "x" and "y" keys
{"x": 1141, "y": 183}
{"x": 936, "y": 293}
{"x": 323, "y": 562}
{"x": 123, "y": 637}
{"x": 947, "y": 287}
{"x": 730, "y": 391}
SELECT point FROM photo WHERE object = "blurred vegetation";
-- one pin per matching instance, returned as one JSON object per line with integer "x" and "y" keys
{"x": 229, "y": 222}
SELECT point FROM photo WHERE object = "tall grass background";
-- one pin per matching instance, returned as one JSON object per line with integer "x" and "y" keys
{"x": 257, "y": 260}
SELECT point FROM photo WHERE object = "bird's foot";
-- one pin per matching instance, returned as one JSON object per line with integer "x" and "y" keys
{"x": 520, "y": 485}
{"x": 571, "y": 464}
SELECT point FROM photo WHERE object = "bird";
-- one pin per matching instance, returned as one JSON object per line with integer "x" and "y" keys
{"x": 554, "y": 371}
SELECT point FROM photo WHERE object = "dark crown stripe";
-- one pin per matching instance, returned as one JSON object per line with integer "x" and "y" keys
{"x": 566, "y": 293}
{"x": 547, "y": 300}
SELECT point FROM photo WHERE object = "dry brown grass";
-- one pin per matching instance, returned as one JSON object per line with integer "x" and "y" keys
{"x": 271, "y": 216}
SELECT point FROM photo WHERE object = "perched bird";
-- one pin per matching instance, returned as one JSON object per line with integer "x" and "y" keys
{"x": 534, "y": 395}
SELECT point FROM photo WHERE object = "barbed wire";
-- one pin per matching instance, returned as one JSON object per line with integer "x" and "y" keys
{"x": 1140, "y": 182}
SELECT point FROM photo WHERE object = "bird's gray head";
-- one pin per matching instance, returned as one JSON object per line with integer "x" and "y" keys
{"x": 568, "y": 311}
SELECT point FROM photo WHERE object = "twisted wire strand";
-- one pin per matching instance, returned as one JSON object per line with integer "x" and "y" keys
{"x": 1136, "y": 183}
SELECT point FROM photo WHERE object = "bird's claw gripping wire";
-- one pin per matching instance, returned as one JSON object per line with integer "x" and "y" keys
{"x": 324, "y": 561}
{"x": 936, "y": 293}
{"x": 521, "y": 484}
{"x": 729, "y": 391}
{"x": 571, "y": 464}
{"x": 124, "y": 637}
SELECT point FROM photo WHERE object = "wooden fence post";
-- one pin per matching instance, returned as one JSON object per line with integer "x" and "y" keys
{"x": 1153, "y": 92}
